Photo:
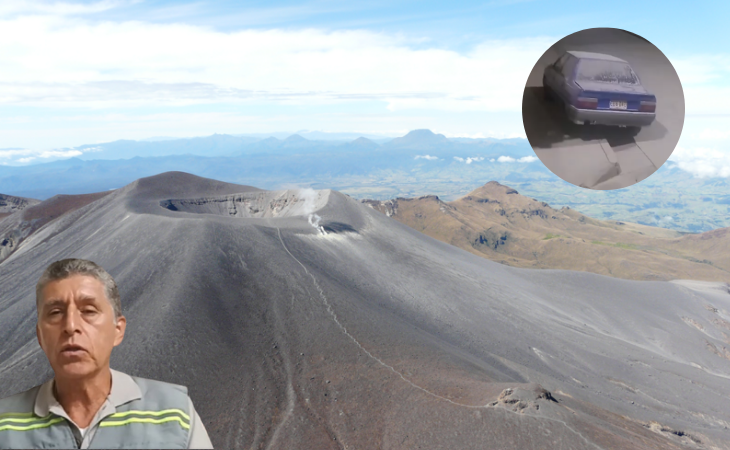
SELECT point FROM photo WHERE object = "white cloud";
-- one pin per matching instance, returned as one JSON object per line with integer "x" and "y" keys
{"x": 701, "y": 68}
{"x": 714, "y": 134}
{"x": 28, "y": 155}
{"x": 53, "y": 57}
{"x": 428, "y": 157}
{"x": 14, "y": 152}
{"x": 13, "y": 7}
{"x": 60, "y": 153}
{"x": 705, "y": 131}
{"x": 704, "y": 82}
{"x": 470, "y": 159}
{"x": 702, "y": 162}
{"x": 62, "y": 61}
{"x": 524, "y": 159}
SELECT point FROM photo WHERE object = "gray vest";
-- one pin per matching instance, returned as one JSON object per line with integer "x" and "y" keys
{"x": 160, "y": 419}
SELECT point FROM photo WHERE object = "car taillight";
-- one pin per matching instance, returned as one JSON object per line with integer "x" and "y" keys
{"x": 586, "y": 103}
{"x": 647, "y": 106}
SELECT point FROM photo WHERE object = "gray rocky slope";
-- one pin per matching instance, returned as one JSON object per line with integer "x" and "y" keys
{"x": 10, "y": 204}
{"x": 305, "y": 319}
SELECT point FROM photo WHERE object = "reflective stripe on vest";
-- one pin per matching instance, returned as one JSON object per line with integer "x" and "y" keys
{"x": 154, "y": 417}
{"x": 26, "y": 421}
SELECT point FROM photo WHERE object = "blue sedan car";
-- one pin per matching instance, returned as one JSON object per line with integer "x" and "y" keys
{"x": 599, "y": 89}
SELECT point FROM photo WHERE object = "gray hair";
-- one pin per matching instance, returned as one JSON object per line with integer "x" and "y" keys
{"x": 64, "y": 268}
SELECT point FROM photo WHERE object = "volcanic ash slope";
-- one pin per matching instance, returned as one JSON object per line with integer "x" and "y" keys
{"x": 305, "y": 319}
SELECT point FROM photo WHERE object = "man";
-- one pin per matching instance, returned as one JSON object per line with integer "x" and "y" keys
{"x": 87, "y": 403}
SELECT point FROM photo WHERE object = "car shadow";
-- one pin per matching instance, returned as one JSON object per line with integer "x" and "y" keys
{"x": 546, "y": 124}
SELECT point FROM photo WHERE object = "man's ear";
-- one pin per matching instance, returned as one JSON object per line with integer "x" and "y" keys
{"x": 38, "y": 333}
{"x": 121, "y": 326}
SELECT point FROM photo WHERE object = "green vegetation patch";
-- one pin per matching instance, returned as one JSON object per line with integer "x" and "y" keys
{"x": 551, "y": 236}
{"x": 617, "y": 244}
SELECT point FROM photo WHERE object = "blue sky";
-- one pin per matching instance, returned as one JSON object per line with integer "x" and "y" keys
{"x": 76, "y": 73}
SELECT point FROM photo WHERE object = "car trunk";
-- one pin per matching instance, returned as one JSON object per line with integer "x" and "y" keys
{"x": 606, "y": 93}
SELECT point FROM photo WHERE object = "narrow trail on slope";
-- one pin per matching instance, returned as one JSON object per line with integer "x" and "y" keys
{"x": 290, "y": 393}
{"x": 331, "y": 311}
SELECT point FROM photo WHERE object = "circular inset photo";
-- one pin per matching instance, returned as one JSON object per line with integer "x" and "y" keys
{"x": 603, "y": 108}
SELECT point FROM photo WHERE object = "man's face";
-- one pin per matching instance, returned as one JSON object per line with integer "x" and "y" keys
{"x": 76, "y": 327}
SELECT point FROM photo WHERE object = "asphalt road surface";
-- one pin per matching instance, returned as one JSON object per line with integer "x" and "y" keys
{"x": 602, "y": 157}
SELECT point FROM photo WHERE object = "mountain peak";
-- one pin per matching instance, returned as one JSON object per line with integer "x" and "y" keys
{"x": 177, "y": 184}
{"x": 295, "y": 138}
{"x": 421, "y": 132}
{"x": 492, "y": 188}
{"x": 424, "y": 134}
{"x": 363, "y": 142}
{"x": 422, "y": 139}
{"x": 498, "y": 185}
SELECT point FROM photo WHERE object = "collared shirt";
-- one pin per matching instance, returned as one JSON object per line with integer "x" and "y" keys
{"x": 123, "y": 390}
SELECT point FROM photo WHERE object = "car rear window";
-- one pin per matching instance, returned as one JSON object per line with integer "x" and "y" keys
{"x": 606, "y": 72}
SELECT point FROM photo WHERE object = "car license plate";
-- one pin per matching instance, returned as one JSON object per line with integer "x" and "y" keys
{"x": 617, "y": 105}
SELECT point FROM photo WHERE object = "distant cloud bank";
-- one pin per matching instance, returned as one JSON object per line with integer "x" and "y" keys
{"x": 469, "y": 160}
{"x": 137, "y": 63}
{"x": 524, "y": 159}
{"x": 502, "y": 159}
{"x": 78, "y": 68}
{"x": 702, "y": 162}
{"x": 24, "y": 155}
{"x": 428, "y": 157}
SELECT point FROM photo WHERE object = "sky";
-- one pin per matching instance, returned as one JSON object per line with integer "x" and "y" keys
{"x": 74, "y": 73}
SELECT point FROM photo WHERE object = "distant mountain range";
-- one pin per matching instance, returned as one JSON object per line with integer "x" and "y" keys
{"x": 224, "y": 145}
{"x": 496, "y": 222}
{"x": 321, "y": 136}
{"x": 269, "y": 162}
{"x": 419, "y": 163}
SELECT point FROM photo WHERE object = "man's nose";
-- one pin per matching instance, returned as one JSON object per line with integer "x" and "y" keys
{"x": 71, "y": 321}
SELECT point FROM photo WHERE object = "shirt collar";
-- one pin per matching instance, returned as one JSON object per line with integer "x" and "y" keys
{"x": 124, "y": 390}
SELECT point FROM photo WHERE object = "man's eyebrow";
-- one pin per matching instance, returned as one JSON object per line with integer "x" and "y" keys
{"x": 60, "y": 302}
{"x": 54, "y": 302}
